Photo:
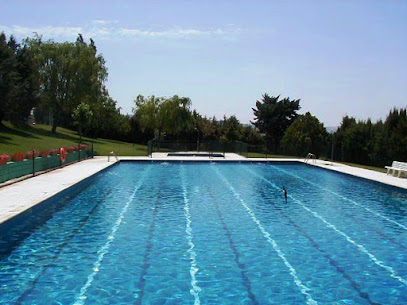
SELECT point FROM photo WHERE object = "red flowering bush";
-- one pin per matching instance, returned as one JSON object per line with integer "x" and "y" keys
{"x": 76, "y": 148}
{"x": 70, "y": 149}
{"x": 17, "y": 157}
{"x": 4, "y": 159}
{"x": 32, "y": 154}
{"x": 54, "y": 151}
{"x": 82, "y": 147}
{"x": 44, "y": 153}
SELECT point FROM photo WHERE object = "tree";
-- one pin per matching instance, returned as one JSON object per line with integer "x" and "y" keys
{"x": 146, "y": 113}
{"x": 231, "y": 129}
{"x": 175, "y": 115}
{"x": 70, "y": 73}
{"x": 19, "y": 86}
{"x": 7, "y": 74}
{"x": 169, "y": 115}
{"x": 306, "y": 134}
{"x": 82, "y": 116}
{"x": 274, "y": 116}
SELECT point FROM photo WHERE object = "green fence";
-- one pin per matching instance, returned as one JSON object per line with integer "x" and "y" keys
{"x": 210, "y": 147}
{"x": 19, "y": 169}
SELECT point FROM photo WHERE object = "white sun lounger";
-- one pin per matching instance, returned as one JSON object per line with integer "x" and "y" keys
{"x": 396, "y": 166}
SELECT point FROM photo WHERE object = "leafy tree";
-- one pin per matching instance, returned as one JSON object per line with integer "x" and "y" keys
{"x": 82, "y": 116}
{"x": 273, "y": 116}
{"x": 251, "y": 136}
{"x": 209, "y": 128}
{"x": 69, "y": 73}
{"x": 396, "y": 125}
{"x": 146, "y": 113}
{"x": 175, "y": 115}
{"x": 7, "y": 74}
{"x": 306, "y": 134}
{"x": 19, "y": 87}
{"x": 231, "y": 129}
{"x": 169, "y": 115}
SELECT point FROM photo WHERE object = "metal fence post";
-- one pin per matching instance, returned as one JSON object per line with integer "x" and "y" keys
{"x": 33, "y": 156}
{"x": 92, "y": 149}
{"x": 79, "y": 152}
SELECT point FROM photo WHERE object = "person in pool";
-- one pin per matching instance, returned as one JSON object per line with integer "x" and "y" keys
{"x": 285, "y": 194}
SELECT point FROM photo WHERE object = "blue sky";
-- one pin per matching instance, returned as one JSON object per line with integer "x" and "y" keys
{"x": 339, "y": 57}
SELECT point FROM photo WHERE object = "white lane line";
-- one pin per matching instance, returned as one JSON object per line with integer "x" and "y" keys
{"x": 304, "y": 289}
{"x": 333, "y": 227}
{"x": 80, "y": 300}
{"x": 192, "y": 254}
{"x": 344, "y": 198}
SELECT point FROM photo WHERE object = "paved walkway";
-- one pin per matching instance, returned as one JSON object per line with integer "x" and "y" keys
{"x": 21, "y": 196}
{"x": 18, "y": 197}
{"x": 362, "y": 173}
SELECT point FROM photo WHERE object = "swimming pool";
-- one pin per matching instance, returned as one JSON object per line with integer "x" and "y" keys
{"x": 212, "y": 233}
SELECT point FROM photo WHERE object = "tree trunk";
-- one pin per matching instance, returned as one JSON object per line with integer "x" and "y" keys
{"x": 54, "y": 127}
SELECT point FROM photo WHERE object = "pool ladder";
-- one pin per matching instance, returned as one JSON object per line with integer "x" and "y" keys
{"x": 112, "y": 154}
{"x": 310, "y": 157}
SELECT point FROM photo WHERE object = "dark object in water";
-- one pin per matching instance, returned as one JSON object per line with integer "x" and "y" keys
{"x": 285, "y": 194}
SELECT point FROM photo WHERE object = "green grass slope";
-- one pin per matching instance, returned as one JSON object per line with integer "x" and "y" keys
{"x": 39, "y": 137}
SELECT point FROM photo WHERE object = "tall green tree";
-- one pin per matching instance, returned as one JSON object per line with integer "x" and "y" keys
{"x": 82, "y": 116}
{"x": 19, "y": 86}
{"x": 231, "y": 129}
{"x": 273, "y": 116}
{"x": 147, "y": 114}
{"x": 70, "y": 73}
{"x": 170, "y": 115}
{"x": 306, "y": 134}
{"x": 7, "y": 74}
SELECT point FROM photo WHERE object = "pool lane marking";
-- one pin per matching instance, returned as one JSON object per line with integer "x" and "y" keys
{"x": 304, "y": 289}
{"x": 245, "y": 278}
{"x": 343, "y": 234}
{"x": 328, "y": 256}
{"x": 382, "y": 235}
{"x": 188, "y": 229}
{"x": 344, "y": 198}
{"x": 61, "y": 246}
{"x": 80, "y": 300}
{"x": 146, "y": 264}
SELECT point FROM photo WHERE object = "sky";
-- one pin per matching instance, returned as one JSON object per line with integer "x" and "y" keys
{"x": 338, "y": 57}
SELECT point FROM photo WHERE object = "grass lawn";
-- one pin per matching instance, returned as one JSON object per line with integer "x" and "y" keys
{"x": 39, "y": 137}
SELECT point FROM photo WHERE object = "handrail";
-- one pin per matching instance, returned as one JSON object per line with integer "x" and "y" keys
{"x": 310, "y": 157}
{"x": 112, "y": 153}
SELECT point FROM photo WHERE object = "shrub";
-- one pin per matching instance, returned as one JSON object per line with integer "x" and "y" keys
{"x": 70, "y": 149}
{"x": 17, "y": 157}
{"x": 54, "y": 151}
{"x": 32, "y": 154}
{"x": 4, "y": 159}
{"x": 82, "y": 146}
{"x": 44, "y": 153}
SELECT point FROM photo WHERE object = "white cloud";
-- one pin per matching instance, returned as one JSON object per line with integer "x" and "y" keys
{"x": 105, "y": 29}
{"x": 46, "y": 31}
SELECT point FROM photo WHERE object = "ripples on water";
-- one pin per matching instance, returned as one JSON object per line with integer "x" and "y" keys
{"x": 172, "y": 233}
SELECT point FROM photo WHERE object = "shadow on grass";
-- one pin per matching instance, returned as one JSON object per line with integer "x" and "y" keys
{"x": 17, "y": 131}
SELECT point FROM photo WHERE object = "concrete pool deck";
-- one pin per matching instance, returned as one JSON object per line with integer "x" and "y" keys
{"x": 21, "y": 196}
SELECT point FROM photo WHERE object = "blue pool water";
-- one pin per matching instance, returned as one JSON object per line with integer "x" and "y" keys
{"x": 211, "y": 233}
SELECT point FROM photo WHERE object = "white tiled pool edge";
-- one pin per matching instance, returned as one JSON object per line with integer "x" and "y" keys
{"x": 23, "y": 195}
